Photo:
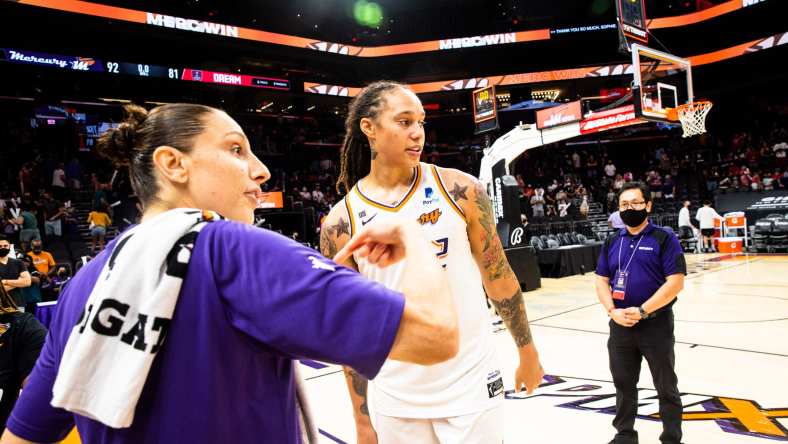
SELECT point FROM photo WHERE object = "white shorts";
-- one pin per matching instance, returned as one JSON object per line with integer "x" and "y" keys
{"x": 485, "y": 427}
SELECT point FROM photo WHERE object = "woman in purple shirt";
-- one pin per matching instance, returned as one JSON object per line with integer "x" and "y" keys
{"x": 251, "y": 302}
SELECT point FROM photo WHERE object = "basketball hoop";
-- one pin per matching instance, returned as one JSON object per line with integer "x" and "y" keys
{"x": 692, "y": 117}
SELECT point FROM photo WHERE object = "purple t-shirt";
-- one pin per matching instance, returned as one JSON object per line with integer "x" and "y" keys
{"x": 252, "y": 301}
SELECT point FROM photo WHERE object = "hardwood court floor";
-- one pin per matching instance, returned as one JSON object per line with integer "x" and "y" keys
{"x": 731, "y": 358}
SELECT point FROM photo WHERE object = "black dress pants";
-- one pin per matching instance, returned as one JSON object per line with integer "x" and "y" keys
{"x": 654, "y": 340}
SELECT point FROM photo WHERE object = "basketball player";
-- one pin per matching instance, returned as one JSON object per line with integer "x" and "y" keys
{"x": 458, "y": 401}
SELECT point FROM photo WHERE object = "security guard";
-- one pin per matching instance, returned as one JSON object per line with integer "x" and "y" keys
{"x": 640, "y": 272}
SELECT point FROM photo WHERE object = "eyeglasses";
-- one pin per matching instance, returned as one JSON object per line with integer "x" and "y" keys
{"x": 623, "y": 206}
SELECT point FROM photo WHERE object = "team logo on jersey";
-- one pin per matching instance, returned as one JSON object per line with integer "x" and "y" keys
{"x": 732, "y": 415}
{"x": 431, "y": 217}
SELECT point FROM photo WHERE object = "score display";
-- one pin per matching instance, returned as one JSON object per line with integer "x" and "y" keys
{"x": 140, "y": 69}
{"x": 632, "y": 20}
{"x": 143, "y": 70}
{"x": 199, "y": 75}
{"x": 485, "y": 112}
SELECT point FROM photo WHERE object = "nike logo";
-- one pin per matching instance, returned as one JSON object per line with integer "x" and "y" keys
{"x": 364, "y": 222}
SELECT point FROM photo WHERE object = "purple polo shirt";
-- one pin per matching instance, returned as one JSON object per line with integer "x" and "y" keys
{"x": 251, "y": 303}
{"x": 655, "y": 253}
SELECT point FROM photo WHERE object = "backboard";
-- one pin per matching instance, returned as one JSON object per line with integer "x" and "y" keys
{"x": 661, "y": 82}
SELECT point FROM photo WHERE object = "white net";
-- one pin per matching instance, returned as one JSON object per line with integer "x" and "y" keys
{"x": 693, "y": 117}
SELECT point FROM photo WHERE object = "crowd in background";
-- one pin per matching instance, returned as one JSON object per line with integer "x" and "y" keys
{"x": 43, "y": 176}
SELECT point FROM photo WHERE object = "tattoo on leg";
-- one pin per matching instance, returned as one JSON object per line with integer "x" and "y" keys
{"x": 458, "y": 192}
{"x": 360, "y": 384}
{"x": 512, "y": 311}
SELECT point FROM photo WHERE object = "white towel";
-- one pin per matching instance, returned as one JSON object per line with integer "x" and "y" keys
{"x": 111, "y": 349}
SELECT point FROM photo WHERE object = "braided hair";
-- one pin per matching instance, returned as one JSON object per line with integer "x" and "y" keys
{"x": 356, "y": 154}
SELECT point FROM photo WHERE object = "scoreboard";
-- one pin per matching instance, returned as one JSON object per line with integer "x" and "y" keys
{"x": 485, "y": 112}
{"x": 114, "y": 67}
{"x": 632, "y": 20}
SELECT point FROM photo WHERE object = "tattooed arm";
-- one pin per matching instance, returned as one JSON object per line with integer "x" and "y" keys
{"x": 500, "y": 283}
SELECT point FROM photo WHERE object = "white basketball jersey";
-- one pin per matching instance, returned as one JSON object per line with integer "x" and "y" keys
{"x": 471, "y": 381}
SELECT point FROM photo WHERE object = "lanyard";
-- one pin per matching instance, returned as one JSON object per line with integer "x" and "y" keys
{"x": 630, "y": 257}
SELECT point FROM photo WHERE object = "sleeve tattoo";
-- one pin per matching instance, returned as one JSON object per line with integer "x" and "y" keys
{"x": 494, "y": 260}
{"x": 360, "y": 384}
{"x": 512, "y": 311}
{"x": 329, "y": 235}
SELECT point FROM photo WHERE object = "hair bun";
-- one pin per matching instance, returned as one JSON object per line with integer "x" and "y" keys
{"x": 117, "y": 144}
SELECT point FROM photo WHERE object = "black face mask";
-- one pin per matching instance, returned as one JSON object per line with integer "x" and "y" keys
{"x": 633, "y": 218}
{"x": 4, "y": 252}
{"x": 36, "y": 250}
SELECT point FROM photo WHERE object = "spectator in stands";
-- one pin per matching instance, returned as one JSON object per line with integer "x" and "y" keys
{"x": 756, "y": 184}
{"x": 611, "y": 198}
{"x": 54, "y": 284}
{"x": 13, "y": 273}
{"x": 317, "y": 196}
{"x": 564, "y": 208}
{"x": 576, "y": 163}
{"x": 59, "y": 182}
{"x": 706, "y": 215}
{"x": 780, "y": 153}
{"x": 21, "y": 340}
{"x": 99, "y": 221}
{"x": 305, "y": 194}
{"x": 610, "y": 169}
{"x": 618, "y": 182}
{"x": 28, "y": 225}
{"x": 26, "y": 178}
{"x": 32, "y": 294}
{"x": 591, "y": 166}
{"x": 668, "y": 187}
{"x": 54, "y": 213}
{"x": 538, "y": 203}
{"x": 583, "y": 205}
{"x": 42, "y": 260}
{"x": 745, "y": 179}
{"x": 655, "y": 183}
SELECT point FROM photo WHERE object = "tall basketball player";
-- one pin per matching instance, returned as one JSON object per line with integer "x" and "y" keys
{"x": 458, "y": 401}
